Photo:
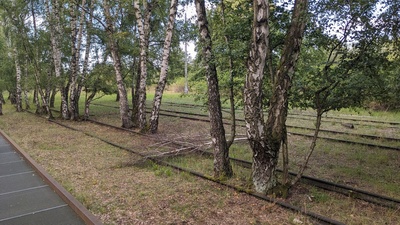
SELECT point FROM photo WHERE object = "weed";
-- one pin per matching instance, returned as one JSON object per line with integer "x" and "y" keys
{"x": 319, "y": 196}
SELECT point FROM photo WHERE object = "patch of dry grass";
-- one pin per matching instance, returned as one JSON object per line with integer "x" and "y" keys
{"x": 98, "y": 175}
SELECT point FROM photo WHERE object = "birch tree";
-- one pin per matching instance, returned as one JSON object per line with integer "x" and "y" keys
{"x": 53, "y": 16}
{"x": 265, "y": 137}
{"x": 113, "y": 48}
{"x": 222, "y": 167}
{"x": 85, "y": 72}
{"x": 164, "y": 67}
{"x": 143, "y": 23}
{"x": 77, "y": 27}
{"x": 18, "y": 73}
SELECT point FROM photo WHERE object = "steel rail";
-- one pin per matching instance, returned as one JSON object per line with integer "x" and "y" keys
{"x": 292, "y": 132}
{"x": 320, "y": 183}
{"x": 327, "y": 185}
{"x": 306, "y": 115}
{"x": 335, "y": 187}
{"x": 289, "y": 126}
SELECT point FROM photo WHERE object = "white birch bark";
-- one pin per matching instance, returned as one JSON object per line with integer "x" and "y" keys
{"x": 53, "y": 12}
{"x": 88, "y": 38}
{"x": 164, "y": 68}
{"x": 1, "y": 103}
{"x": 76, "y": 49}
{"x": 263, "y": 171}
{"x": 144, "y": 32}
{"x": 265, "y": 137}
{"x": 18, "y": 81}
{"x": 123, "y": 101}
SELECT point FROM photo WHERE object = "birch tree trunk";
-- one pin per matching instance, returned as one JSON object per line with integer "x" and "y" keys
{"x": 2, "y": 100}
{"x": 222, "y": 167}
{"x": 143, "y": 22}
{"x": 18, "y": 93}
{"x": 265, "y": 138}
{"x": 1, "y": 103}
{"x": 77, "y": 34}
{"x": 25, "y": 89}
{"x": 74, "y": 60}
{"x": 89, "y": 26}
{"x": 53, "y": 18}
{"x": 164, "y": 68}
{"x": 123, "y": 101}
{"x": 264, "y": 162}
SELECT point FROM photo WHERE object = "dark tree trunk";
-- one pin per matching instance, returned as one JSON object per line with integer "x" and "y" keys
{"x": 135, "y": 98}
{"x": 1, "y": 103}
{"x": 222, "y": 167}
{"x": 53, "y": 97}
{"x": 88, "y": 100}
{"x": 117, "y": 98}
{"x": 12, "y": 97}
{"x": 35, "y": 96}
{"x": 37, "y": 101}
{"x": 2, "y": 98}
{"x": 312, "y": 147}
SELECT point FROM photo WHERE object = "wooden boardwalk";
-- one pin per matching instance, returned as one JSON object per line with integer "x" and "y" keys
{"x": 28, "y": 195}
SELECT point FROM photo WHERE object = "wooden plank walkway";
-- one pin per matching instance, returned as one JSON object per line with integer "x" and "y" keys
{"x": 28, "y": 195}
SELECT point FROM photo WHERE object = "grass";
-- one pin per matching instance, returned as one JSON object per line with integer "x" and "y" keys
{"x": 113, "y": 186}
{"x": 120, "y": 188}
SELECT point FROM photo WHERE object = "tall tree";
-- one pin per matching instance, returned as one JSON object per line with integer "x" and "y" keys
{"x": 113, "y": 48}
{"x": 18, "y": 72}
{"x": 76, "y": 46}
{"x": 339, "y": 70}
{"x": 164, "y": 67}
{"x": 222, "y": 167}
{"x": 53, "y": 17}
{"x": 88, "y": 46}
{"x": 265, "y": 138}
{"x": 143, "y": 23}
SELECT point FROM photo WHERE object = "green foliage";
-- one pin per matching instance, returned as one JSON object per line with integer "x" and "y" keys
{"x": 343, "y": 62}
{"x": 320, "y": 196}
{"x": 101, "y": 79}
{"x": 162, "y": 170}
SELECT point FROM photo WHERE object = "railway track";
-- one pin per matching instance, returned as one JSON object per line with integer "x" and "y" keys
{"x": 187, "y": 116}
{"x": 335, "y": 187}
{"x": 204, "y": 118}
{"x": 320, "y": 219}
{"x": 339, "y": 188}
{"x": 327, "y": 185}
{"x": 293, "y": 115}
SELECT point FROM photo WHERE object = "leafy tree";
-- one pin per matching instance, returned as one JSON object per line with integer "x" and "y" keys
{"x": 99, "y": 82}
{"x": 338, "y": 70}
{"x": 114, "y": 50}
